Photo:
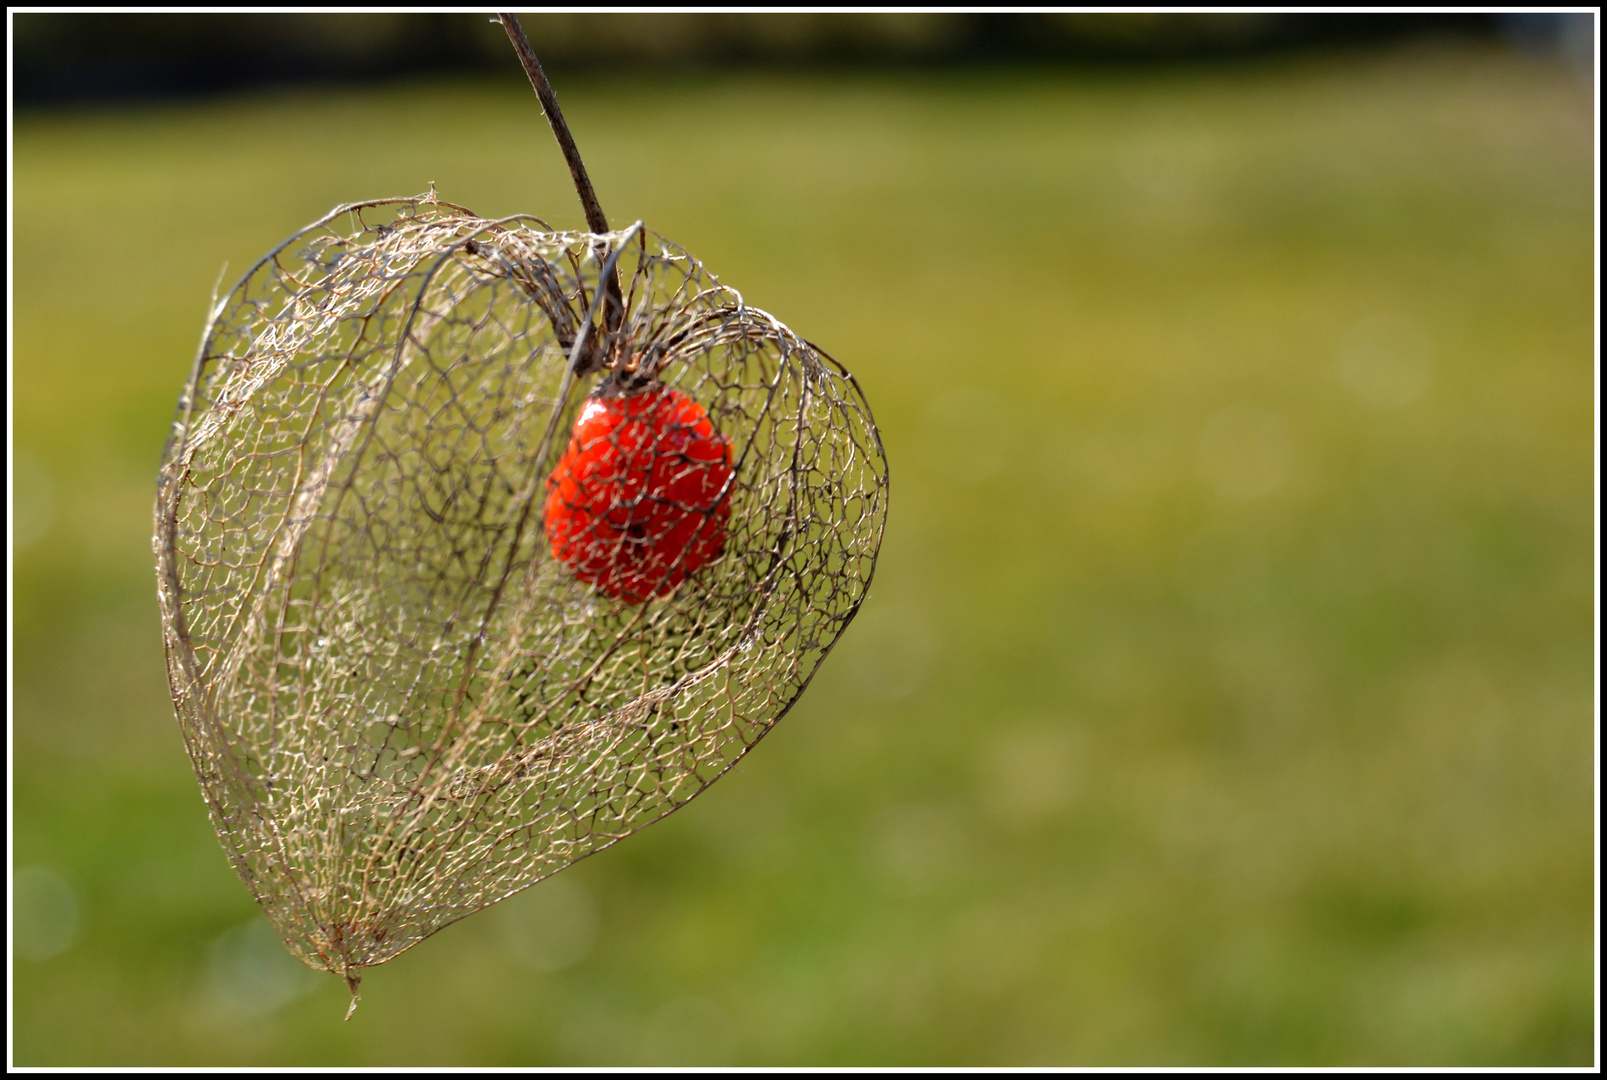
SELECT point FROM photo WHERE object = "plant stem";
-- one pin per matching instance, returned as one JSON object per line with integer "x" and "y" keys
{"x": 595, "y": 220}
{"x": 614, "y": 309}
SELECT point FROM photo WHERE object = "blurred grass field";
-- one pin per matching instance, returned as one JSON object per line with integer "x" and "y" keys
{"x": 1225, "y": 694}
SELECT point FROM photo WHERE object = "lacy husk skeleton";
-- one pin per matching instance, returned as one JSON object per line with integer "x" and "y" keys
{"x": 400, "y": 706}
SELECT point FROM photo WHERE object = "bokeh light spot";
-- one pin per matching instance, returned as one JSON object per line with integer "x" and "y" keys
{"x": 552, "y": 925}
{"x": 1386, "y": 361}
{"x": 44, "y": 913}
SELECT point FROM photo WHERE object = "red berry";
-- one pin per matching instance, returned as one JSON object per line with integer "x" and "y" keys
{"x": 639, "y": 501}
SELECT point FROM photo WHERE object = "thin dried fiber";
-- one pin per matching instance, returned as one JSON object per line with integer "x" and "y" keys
{"x": 401, "y": 708}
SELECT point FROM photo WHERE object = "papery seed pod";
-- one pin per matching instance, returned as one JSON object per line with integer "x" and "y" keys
{"x": 404, "y": 700}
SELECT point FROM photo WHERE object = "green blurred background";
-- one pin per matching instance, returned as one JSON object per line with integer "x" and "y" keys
{"x": 1225, "y": 694}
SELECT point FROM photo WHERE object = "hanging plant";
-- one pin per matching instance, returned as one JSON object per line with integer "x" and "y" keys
{"x": 482, "y": 545}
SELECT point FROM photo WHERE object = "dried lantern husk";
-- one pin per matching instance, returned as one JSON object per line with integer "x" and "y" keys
{"x": 400, "y": 707}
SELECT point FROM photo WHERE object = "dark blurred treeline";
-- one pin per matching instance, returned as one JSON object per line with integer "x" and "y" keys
{"x": 60, "y": 58}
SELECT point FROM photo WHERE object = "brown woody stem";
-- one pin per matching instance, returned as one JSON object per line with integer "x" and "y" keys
{"x": 614, "y": 311}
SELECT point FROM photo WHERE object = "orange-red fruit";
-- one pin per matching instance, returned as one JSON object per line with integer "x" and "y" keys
{"x": 640, "y": 501}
